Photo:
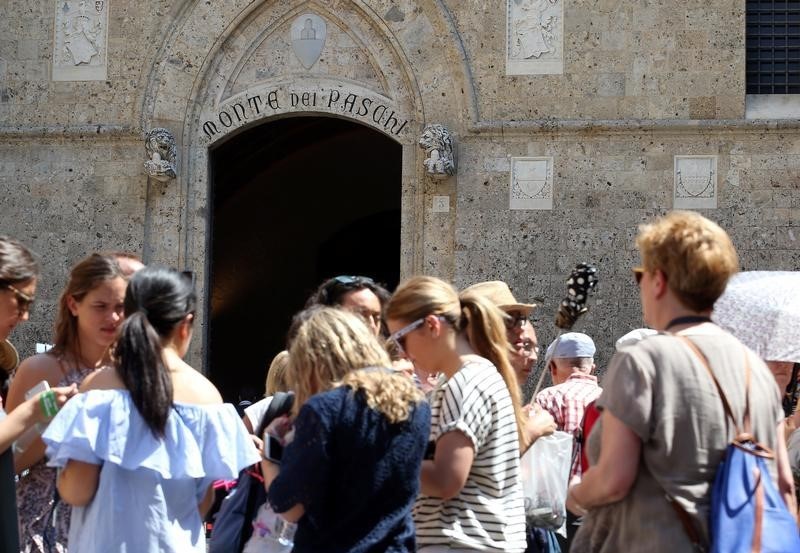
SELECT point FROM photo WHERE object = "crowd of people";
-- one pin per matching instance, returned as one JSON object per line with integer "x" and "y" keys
{"x": 406, "y": 430}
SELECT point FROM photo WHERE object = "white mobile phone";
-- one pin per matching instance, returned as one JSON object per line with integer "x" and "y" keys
{"x": 273, "y": 449}
{"x": 42, "y": 386}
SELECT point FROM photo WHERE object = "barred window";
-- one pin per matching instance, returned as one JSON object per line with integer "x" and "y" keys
{"x": 773, "y": 47}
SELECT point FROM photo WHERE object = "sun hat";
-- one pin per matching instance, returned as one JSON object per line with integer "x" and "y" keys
{"x": 570, "y": 346}
{"x": 499, "y": 294}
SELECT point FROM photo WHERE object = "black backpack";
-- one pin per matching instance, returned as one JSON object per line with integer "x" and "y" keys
{"x": 232, "y": 525}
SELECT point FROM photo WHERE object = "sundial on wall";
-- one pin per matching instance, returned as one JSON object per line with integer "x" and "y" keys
{"x": 308, "y": 38}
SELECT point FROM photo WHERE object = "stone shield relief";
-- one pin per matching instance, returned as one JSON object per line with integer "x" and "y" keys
{"x": 695, "y": 182}
{"x": 80, "y": 42}
{"x": 308, "y": 38}
{"x": 531, "y": 184}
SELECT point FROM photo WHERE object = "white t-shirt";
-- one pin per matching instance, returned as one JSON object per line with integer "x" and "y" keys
{"x": 256, "y": 412}
{"x": 488, "y": 513}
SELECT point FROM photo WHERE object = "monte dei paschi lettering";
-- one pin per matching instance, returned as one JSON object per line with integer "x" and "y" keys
{"x": 279, "y": 100}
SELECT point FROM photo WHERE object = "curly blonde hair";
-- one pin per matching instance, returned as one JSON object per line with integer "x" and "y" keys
{"x": 470, "y": 313}
{"x": 328, "y": 344}
{"x": 385, "y": 391}
{"x": 694, "y": 253}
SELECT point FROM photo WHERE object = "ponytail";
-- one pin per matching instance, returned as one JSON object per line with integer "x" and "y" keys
{"x": 477, "y": 317}
{"x": 141, "y": 368}
{"x": 483, "y": 324}
{"x": 156, "y": 302}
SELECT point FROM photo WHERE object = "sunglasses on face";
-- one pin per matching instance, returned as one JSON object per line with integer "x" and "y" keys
{"x": 399, "y": 337}
{"x": 638, "y": 272}
{"x": 24, "y": 301}
{"x": 514, "y": 320}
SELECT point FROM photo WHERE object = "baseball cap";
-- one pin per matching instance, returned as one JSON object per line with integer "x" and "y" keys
{"x": 570, "y": 345}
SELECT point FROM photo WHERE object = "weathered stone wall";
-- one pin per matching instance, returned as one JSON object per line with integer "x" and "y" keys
{"x": 65, "y": 198}
{"x": 623, "y": 60}
{"x": 607, "y": 184}
{"x": 642, "y": 82}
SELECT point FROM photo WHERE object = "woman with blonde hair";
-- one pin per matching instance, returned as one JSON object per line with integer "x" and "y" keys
{"x": 663, "y": 431}
{"x": 277, "y": 381}
{"x": 350, "y": 474}
{"x": 471, "y": 496}
{"x": 90, "y": 311}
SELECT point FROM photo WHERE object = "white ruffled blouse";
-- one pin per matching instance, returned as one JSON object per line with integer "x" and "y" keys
{"x": 149, "y": 487}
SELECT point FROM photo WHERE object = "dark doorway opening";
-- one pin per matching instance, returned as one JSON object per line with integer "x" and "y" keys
{"x": 293, "y": 201}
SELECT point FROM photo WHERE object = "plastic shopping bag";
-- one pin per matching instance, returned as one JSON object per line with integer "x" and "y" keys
{"x": 545, "y": 476}
{"x": 271, "y": 533}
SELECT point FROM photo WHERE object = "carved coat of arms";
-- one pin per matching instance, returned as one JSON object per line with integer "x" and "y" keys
{"x": 308, "y": 38}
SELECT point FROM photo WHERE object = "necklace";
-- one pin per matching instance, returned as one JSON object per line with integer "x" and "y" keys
{"x": 686, "y": 320}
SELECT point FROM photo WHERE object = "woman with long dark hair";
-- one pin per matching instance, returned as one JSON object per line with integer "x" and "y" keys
{"x": 139, "y": 450}
{"x": 19, "y": 274}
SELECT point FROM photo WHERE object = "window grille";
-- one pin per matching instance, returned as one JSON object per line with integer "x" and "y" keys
{"x": 773, "y": 47}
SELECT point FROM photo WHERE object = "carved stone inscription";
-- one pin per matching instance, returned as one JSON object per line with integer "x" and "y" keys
{"x": 531, "y": 184}
{"x": 240, "y": 110}
{"x": 535, "y": 37}
{"x": 695, "y": 182}
{"x": 80, "y": 47}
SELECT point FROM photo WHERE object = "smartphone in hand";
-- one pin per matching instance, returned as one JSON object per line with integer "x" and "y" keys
{"x": 42, "y": 386}
{"x": 273, "y": 449}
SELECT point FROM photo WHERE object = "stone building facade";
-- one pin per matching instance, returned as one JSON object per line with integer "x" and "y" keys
{"x": 571, "y": 122}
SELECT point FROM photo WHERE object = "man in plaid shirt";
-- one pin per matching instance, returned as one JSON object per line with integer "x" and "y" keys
{"x": 570, "y": 359}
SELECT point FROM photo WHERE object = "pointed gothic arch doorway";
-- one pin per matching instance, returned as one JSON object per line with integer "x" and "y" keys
{"x": 293, "y": 201}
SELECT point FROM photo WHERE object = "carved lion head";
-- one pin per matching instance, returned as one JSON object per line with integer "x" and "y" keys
{"x": 436, "y": 137}
{"x": 160, "y": 140}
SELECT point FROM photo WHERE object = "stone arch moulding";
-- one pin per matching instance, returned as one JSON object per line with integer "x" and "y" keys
{"x": 199, "y": 88}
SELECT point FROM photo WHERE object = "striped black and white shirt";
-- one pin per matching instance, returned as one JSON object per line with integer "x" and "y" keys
{"x": 488, "y": 514}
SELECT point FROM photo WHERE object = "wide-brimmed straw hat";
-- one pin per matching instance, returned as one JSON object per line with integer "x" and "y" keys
{"x": 500, "y": 294}
{"x": 9, "y": 357}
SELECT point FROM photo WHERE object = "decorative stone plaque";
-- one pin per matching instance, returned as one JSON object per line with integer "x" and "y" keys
{"x": 695, "y": 182}
{"x": 80, "y": 44}
{"x": 308, "y": 38}
{"x": 535, "y": 37}
{"x": 531, "y": 183}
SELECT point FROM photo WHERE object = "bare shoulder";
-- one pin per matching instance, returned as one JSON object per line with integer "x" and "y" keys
{"x": 42, "y": 366}
{"x": 31, "y": 372}
{"x": 106, "y": 378}
{"x": 190, "y": 386}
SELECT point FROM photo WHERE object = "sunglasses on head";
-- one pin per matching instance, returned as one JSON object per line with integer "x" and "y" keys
{"x": 24, "y": 301}
{"x": 351, "y": 280}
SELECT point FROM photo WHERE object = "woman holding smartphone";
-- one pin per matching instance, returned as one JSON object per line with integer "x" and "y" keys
{"x": 350, "y": 473}
{"x": 89, "y": 314}
{"x": 19, "y": 274}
